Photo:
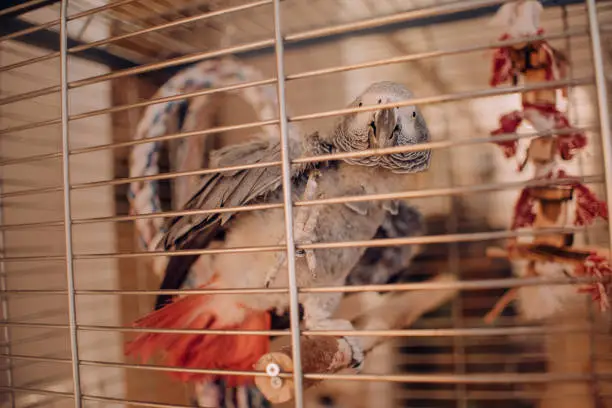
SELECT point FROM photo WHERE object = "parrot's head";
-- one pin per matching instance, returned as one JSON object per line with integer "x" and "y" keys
{"x": 387, "y": 127}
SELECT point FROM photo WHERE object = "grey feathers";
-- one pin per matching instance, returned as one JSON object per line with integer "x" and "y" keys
{"x": 233, "y": 188}
{"x": 379, "y": 265}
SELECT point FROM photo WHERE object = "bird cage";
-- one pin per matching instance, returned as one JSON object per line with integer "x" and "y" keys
{"x": 487, "y": 288}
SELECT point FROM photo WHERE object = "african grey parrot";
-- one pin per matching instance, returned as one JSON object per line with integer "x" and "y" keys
{"x": 385, "y": 127}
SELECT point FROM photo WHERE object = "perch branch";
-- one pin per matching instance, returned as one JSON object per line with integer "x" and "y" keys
{"x": 567, "y": 255}
{"x": 328, "y": 355}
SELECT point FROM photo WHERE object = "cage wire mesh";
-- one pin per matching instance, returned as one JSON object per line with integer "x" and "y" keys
{"x": 76, "y": 78}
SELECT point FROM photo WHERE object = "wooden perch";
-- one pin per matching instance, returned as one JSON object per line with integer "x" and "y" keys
{"x": 328, "y": 355}
{"x": 546, "y": 253}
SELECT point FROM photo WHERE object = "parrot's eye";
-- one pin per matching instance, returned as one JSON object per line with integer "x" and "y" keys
{"x": 360, "y": 104}
{"x": 413, "y": 114}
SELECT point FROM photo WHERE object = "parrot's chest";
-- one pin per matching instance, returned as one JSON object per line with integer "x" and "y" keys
{"x": 351, "y": 221}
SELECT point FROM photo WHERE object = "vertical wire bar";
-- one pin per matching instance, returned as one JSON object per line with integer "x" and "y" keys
{"x": 454, "y": 259}
{"x": 572, "y": 114}
{"x": 604, "y": 123}
{"x": 5, "y": 309}
{"x": 76, "y": 375}
{"x": 286, "y": 169}
{"x": 602, "y": 101}
{"x": 6, "y": 331}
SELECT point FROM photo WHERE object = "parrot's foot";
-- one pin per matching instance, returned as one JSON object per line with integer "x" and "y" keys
{"x": 305, "y": 223}
{"x": 357, "y": 356}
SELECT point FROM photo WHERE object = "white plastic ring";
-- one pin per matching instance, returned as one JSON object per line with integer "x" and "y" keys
{"x": 273, "y": 370}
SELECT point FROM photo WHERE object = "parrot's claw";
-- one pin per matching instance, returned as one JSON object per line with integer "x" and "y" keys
{"x": 271, "y": 275}
{"x": 391, "y": 206}
{"x": 305, "y": 223}
{"x": 357, "y": 356}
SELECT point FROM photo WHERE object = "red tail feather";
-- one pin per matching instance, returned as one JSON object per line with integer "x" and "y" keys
{"x": 206, "y": 351}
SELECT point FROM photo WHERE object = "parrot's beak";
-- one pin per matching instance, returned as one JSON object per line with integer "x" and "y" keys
{"x": 384, "y": 124}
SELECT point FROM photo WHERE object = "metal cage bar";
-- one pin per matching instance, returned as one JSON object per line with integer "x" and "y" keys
{"x": 72, "y": 317}
{"x": 287, "y": 204}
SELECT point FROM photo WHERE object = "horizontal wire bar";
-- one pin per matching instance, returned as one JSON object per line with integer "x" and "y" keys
{"x": 37, "y": 391}
{"x": 124, "y": 255}
{"x": 487, "y": 378}
{"x": 38, "y": 27}
{"x": 29, "y": 159}
{"x": 29, "y": 126}
{"x": 174, "y": 23}
{"x": 193, "y": 370}
{"x": 463, "y": 332}
{"x": 439, "y": 239}
{"x": 36, "y": 358}
{"x": 154, "y": 101}
{"x": 30, "y": 95}
{"x": 32, "y": 191}
{"x": 125, "y": 329}
{"x": 169, "y": 369}
{"x": 127, "y": 180}
{"x": 120, "y": 218}
{"x": 133, "y": 403}
{"x": 29, "y": 61}
{"x": 37, "y": 258}
{"x": 174, "y": 136}
{"x": 27, "y": 325}
{"x": 376, "y": 243}
{"x": 494, "y": 395}
{"x": 31, "y": 225}
{"x": 484, "y": 284}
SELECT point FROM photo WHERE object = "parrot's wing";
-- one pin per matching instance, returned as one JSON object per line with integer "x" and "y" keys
{"x": 226, "y": 189}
